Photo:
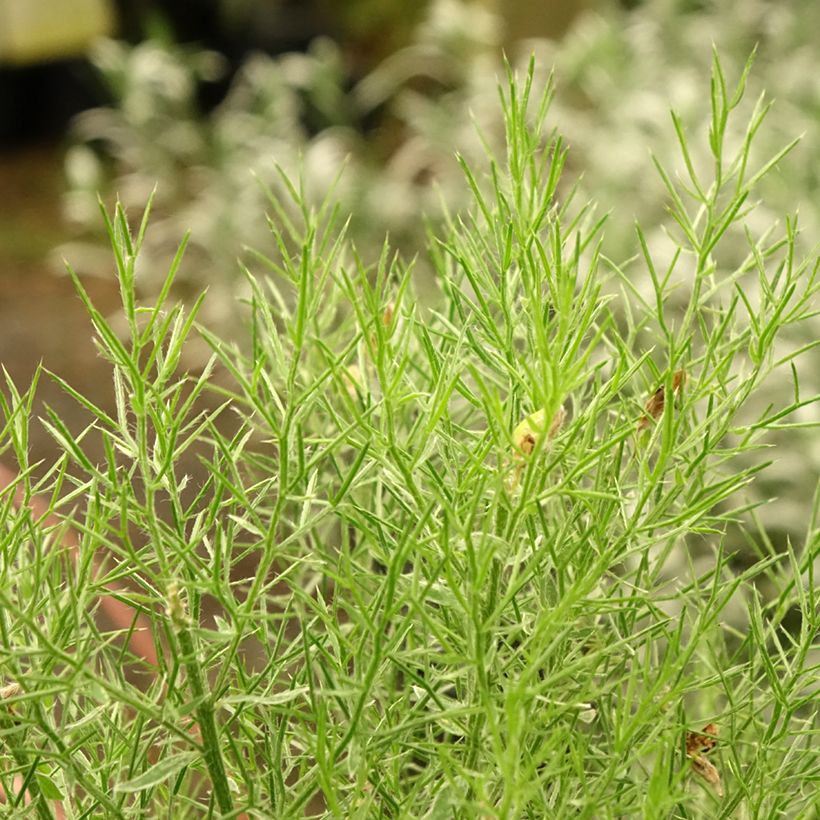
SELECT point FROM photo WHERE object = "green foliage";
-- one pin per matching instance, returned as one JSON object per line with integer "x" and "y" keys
{"x": 354, "y": 610}
{"x": 395, "y": 130}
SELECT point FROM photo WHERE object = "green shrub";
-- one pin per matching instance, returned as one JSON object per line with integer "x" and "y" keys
{"x": 460, "y": 559}
{"x": 395, "y": 130}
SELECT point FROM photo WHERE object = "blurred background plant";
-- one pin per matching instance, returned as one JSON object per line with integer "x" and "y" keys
{"x": 394, "y": 133}
{"x": 397, "y": 128}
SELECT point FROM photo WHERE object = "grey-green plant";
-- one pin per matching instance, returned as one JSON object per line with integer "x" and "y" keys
{"x": 423, "y": 567}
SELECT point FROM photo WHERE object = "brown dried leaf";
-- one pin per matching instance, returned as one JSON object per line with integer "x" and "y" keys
{"x": 698, "y": 745}
{"x": 527, "y": 443}
{"x": 10, "y": 690}
{"x": 654, "y": 407}
{"x": 706, "y": 769}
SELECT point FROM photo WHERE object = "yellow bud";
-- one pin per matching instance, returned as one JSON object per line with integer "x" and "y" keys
{"x": 526, "y": 438}
{"x": 530, "y": 431}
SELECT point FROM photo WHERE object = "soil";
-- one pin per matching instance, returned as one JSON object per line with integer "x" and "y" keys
{"x": 41, "y": 317}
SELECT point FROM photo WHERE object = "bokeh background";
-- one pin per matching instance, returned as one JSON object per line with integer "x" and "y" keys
{"x": 203, "y": 99}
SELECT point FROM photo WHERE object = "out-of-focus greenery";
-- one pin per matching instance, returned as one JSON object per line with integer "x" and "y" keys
{"x": 397, "y": 129}
{"x": 395, "y": 133}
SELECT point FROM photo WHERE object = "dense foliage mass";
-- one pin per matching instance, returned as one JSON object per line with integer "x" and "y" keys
{"x": 463, "y": 556}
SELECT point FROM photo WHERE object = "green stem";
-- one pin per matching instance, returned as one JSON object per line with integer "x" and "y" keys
{"x": 15, "y": 738}
{"x": 211, "y": 750}
{"x": 21, "y": 759}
